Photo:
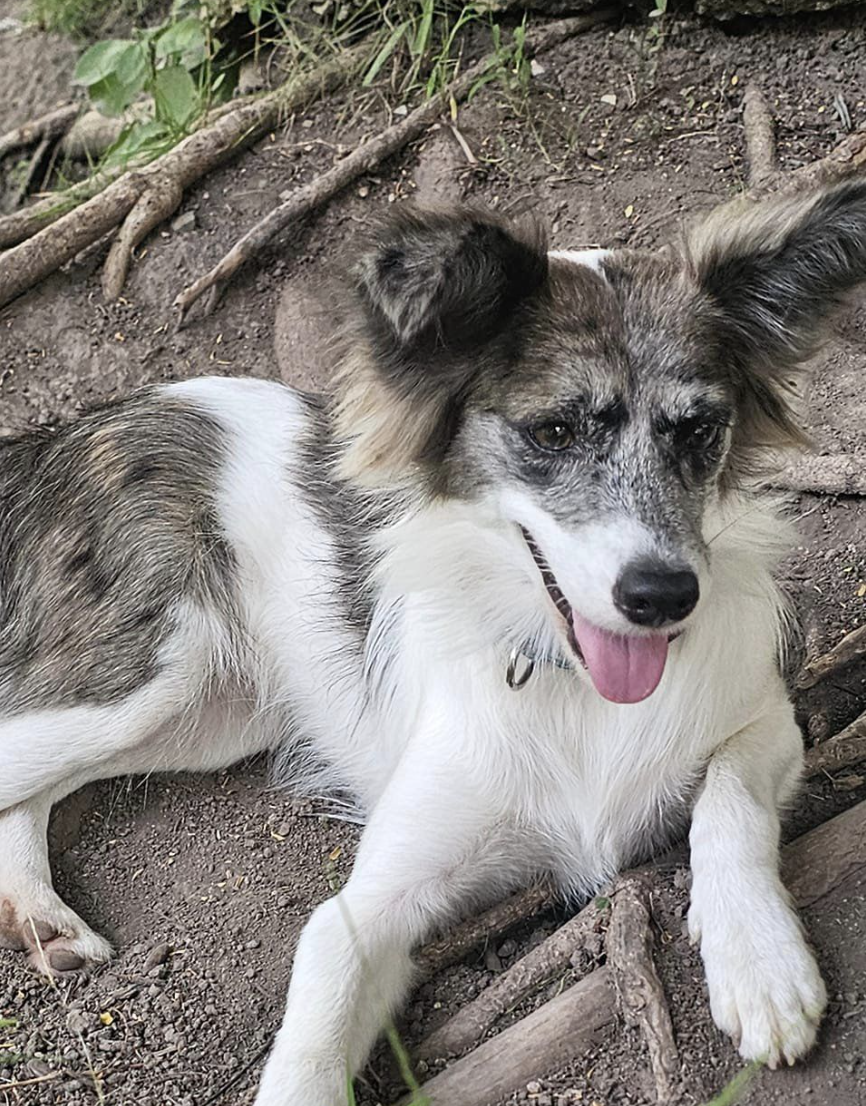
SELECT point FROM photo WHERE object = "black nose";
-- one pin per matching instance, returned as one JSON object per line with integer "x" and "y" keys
{"x": 649, "y": 594}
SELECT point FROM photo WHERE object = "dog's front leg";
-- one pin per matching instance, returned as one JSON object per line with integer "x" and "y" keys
{"x": 765, "y": 987}
{"x": 431, "y": 847}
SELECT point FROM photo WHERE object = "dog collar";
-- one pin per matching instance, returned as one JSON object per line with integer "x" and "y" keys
{"x": 522, "y": 661}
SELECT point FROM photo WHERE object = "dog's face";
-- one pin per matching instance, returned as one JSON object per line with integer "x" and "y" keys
{"x": 604, "y": 403}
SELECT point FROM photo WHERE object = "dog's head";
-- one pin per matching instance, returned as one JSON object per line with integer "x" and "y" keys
{"x": 604, "y": 403}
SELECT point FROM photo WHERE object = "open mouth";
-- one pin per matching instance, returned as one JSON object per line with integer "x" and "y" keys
{"x": 625, "y": 668}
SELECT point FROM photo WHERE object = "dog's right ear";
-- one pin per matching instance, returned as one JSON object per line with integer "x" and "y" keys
{"x": 435, "y": 290}
{"x": 447, "y": 278}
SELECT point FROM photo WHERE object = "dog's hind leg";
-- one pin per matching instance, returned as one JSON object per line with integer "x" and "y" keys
{"x": 33, "y": 917}
{"x": 41, "y": 749}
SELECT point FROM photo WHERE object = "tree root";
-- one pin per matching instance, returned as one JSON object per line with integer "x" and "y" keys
{"x": 438, "y": 955}
{"x": 51, "y": 125}
{"x": 641, "y": 995}
{"x": 764, "y": 173}
{"x": 847, "y": 748}
{"x": 825, "y": 474}
{"x": 546, "y": 1039}
{"x": 581, "y": 1017}
{"x": 53, "y": 238}
{"x": 549, "y": 959}
{"x": 851, "y": 648}
{"x": 365, "y": 157}
{"x": 759, "y": 131}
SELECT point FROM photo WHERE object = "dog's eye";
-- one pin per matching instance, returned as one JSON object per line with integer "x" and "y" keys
{"x": 701, "y": 435}
{"x": 553, "y": 436}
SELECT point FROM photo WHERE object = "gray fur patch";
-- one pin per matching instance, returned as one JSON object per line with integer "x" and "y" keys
{"x": 104, "y": 527}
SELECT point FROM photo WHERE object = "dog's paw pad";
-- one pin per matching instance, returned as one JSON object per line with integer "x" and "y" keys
{"x": 68, "y": 955}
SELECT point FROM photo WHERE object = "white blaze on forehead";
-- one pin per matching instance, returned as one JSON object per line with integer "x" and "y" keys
{"x": 592, "y": 259}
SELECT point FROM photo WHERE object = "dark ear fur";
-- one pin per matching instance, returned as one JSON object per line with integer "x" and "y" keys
{"x": 774, "y": 272}
{"x": 447, "y": 279}
{"x": 437, "y": 290}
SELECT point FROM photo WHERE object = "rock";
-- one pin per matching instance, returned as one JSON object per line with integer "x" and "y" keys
{"x": 157, "y": 955}
{"x": 183, "y": 222}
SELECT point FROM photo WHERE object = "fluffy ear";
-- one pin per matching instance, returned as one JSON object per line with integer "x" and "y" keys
{"x": 438, "y": 291}
{"x": 774, "y": 272}
{"x": 448, "y": 278}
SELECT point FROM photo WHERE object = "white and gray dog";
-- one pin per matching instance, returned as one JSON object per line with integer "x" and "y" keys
{"x": 512, "y": 589}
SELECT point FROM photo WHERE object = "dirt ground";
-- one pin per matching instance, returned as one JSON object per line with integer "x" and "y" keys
{"x": 203, "y": 883}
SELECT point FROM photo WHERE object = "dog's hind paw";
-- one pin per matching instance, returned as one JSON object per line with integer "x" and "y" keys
{"x": 56, "y": 940}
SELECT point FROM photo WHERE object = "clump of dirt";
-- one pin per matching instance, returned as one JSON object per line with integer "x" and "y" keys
{"x": 203, "y": 883}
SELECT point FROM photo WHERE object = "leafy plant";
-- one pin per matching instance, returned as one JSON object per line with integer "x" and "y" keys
{"x": 172, "y": 63}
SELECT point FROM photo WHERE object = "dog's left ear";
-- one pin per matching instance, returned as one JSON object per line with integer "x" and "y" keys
{"x": 774, "y": 272}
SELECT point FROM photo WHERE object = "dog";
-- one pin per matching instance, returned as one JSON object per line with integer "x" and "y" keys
{"x": 512, "y": 588}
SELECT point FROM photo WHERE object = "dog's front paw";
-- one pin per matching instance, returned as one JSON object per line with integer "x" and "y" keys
{"x": 765, "y": 988}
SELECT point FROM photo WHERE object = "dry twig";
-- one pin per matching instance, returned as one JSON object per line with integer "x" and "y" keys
{"x": 490, "y": 925}
{"x": 826, "y": 474}
{"x": 760, "y": 139}
{"x": 362, "y": 159}
{"x": 550, "y": 1037}
{"x": 639, "y": 989}
{"x": 851, "y": 648}
{"x": 846, "y": 748}
{"x": 547, "y": 960}
{"x": 51, "y": 125}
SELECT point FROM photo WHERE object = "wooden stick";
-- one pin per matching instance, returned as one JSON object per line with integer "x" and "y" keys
{"x": 639, "y": 989}
{"x": 439, "y": 955}
{"x": 851, "y": 648}
{"x": 51, "y": 125}
{"x": 826, "y": 858}
{"x": 549, "y": 959}
{"x": 550, "y": 1037}
{"x": 361, "y": 160}
{"x": 827, "y": 474}
{"x": 846, "y": 748}
{"x": 760, "y": 138}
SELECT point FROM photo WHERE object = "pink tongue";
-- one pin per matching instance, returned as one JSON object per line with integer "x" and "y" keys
{"x": 623, "y": 669}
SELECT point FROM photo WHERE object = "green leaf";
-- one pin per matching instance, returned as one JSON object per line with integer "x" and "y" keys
{"x": 185, "y": 41}
{"x": 175, "y": 96}
{"x": 132, "y": 68}
{"x": 254, "y": 10}
{"x": 138, "y": 138}
{"x": 385, "y": 53}
{"x": 100, "y": 60}
{"x": 111, "y": 96}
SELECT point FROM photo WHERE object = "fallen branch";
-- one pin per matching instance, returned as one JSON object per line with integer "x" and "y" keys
{"x": 578, "y": 1019}
{"x": 825, "y": 474}
{"x": 758, "y": 127}
{"x": 764, "y": 173}
{"x": 546, "y": 961}
{"x": 62, "y": 236}
{"x": 851, "y": 648}
{"x": 846, "y": 748}
{"x": 549, "y": 1038}
{"x": 51, "y": 125}
{"x": 826, "y": 858}
{"x": 641, "y": 995}
{"x": 490, "y": 925}
{"x": 363, "y": 159}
